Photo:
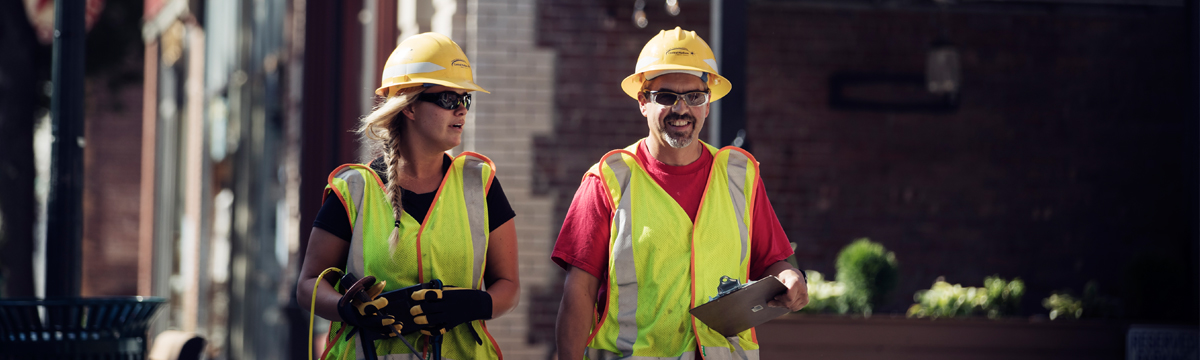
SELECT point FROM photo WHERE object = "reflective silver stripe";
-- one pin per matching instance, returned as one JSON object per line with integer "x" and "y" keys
{"x": 624, "y": 269}
{"x": 722, "y": 353}
{"x": 715, "y": 353}
{"x": 476, "y": 214}
{"x": 403, "y": 357}
{"x": 597, "y": 354}
{"x": 737, "y": 184}
{"x": 411, "y": 68}
{"x": 357, "y": 347}
{"x": 737, "y": 347}
{"x": 356, "y": 184}
{"x": 354, "y": 259}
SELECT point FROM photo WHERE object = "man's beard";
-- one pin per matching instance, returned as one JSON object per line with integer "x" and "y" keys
{"x": 678, "y": 139}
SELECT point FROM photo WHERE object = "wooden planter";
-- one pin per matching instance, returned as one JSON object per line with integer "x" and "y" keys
{"x": 806, "y": 336}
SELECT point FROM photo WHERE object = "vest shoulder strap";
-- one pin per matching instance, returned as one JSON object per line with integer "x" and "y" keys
{"x": 349, "y": 184}
{"x": 477, "y": 163}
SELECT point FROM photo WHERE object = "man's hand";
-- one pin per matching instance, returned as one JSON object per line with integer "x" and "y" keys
{"x": 796, "y": 296}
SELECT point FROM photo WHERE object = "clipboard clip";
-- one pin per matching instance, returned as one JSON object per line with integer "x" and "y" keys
{"x": 727, "y": 286}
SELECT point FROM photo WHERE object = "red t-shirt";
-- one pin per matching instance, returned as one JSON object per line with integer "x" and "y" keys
{"x": 583, "y": 241}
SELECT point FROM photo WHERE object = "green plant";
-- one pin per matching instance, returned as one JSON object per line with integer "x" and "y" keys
{"x": 1063, "y": 305}
{"x": 822, "y": 295}
{"x": 868, "y": 272}
{"x": 1003, "y": 297}
{"x": 996, "y": 298}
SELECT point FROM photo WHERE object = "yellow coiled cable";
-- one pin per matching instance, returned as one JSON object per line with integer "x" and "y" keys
{"x": 313, "y": 311}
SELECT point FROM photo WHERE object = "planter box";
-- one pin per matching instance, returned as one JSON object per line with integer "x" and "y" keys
{"x": 805, "y": 336}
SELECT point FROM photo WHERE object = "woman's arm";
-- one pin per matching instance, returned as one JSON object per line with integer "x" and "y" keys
{"x": 502, "y": 275}
{"x": 325, "y": 250}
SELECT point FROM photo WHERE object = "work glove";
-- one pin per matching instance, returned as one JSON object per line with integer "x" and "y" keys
{"x": 442, "y": 309}
{"x": 363, "y": 308}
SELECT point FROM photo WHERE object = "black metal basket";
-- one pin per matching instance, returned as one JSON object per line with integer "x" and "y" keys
{"x": 76, "y": 328}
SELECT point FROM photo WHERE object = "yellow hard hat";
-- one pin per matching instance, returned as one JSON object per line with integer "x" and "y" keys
{"x": 677, "y": 51}
{"x": 428, "y": 58}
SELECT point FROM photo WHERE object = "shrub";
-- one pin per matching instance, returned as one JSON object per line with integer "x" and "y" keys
{"x": 1063, "y": 305}
{"x": 996, "y": 298}
{"x": 868, "y": 272}
{"x": 822, "y": 295}
{"x": 1003, "y": 297}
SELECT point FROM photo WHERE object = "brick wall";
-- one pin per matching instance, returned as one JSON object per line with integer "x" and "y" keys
{"x": 1064, "y": 161}
{"x": 112, "y": 189}
{"x": 1062, "y": 164}
{"x": 519, "y": 75}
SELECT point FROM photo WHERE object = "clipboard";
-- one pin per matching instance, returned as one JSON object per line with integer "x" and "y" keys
{"x": 741, "y": 309}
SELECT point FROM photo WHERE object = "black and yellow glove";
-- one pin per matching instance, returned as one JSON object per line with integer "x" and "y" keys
{"x": 362, "y": 308}
{"x": 443, "y": 309}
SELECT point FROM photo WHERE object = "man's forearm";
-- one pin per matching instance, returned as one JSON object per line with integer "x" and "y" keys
{"x": 780, "y": 267}
{"x": 574, "y": 323}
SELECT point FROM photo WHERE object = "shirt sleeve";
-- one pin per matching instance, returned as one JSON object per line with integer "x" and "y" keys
{"x": 583, "y": 240}
{"x": 499, "y": 210}
{"x": 769, "y": 244}
{"x": 332, "y": 218}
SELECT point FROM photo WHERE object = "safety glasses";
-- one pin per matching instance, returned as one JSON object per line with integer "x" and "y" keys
{"x": 669, "y": 99}
{"x": 448, "y": 100}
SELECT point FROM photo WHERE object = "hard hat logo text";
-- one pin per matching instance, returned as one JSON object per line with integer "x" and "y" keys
{"x": 679, "y": 51}
{"x": 460, "y": 63}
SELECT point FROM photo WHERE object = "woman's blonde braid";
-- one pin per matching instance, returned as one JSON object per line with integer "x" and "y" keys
{"x": 394, "y": 163}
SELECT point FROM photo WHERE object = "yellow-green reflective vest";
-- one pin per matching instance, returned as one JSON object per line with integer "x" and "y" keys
{"x": 661, "y": 264}
{"x": 451, "y": 245}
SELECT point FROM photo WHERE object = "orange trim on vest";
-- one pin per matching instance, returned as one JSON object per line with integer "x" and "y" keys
{"x": 692, "y": 267}
{"x": 495, "y": 345}
{"x": 421, "y": 230}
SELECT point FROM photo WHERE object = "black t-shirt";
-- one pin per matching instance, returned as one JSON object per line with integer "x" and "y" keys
{"x": 332, "y": 216}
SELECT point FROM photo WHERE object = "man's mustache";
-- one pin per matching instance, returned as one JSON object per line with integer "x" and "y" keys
{"x": 677, "y": 116}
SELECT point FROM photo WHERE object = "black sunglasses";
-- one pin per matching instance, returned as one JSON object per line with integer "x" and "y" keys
{"x": 669, "y": 99}
{"x": 448, "y": 100}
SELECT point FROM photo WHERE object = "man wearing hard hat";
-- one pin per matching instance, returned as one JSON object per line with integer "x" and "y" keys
{"x": 654, "y": 226}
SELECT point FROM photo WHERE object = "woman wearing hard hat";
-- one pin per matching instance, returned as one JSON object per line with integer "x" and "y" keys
{"x": 415, "y": 215}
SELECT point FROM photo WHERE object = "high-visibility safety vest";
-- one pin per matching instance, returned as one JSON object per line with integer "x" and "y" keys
{"x": 450, "y": 245}
{"x": 661, "y": 264}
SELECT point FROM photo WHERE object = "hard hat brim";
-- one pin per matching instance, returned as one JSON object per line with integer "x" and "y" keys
{"x": 718, "y": 86}
{"x": 465, "y": 85}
